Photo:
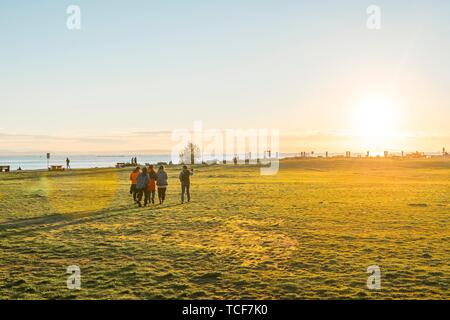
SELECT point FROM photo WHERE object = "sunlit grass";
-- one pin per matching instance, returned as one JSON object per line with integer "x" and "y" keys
{"x": 309, "y": 232}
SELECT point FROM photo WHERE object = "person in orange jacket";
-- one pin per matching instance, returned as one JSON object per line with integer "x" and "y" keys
{"x": 152, "y": 183}
{"x": 133, "y": 179}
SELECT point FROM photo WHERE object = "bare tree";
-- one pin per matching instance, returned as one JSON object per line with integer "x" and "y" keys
{"x": 190, "y": 154}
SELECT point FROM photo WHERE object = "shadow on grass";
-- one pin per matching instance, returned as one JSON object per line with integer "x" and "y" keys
{"x": 56, "y": 221}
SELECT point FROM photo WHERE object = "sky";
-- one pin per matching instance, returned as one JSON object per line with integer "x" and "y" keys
{"x": 137, "y": 70}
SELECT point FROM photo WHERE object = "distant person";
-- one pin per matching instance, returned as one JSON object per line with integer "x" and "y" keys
{"x": 67, "y": 163}
{"x": 161, "y": 182}
{"x": 142, "y": 182}
{"x": 133, "y": 178}
{"x": 152, "y": 183}
{"x": 185, "y": 179}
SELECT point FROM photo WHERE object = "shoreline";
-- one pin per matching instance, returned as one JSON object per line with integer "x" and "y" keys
{"x": 39, "y": 162}
{"x": 241, "y": 164}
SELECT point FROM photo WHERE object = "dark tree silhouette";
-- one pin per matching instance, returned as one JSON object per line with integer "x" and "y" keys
{"x": 190, "y": 154}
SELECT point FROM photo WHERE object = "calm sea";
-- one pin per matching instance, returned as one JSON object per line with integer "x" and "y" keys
{"x": 88, "y": 161}
{"x": 36, "y": 162}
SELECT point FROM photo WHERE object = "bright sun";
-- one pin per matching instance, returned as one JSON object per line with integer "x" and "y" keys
{"x": 376, "y": 117}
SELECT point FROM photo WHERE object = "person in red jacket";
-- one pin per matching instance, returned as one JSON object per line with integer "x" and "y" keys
{"x": 152, "y": 183}
{"x": 133, "y": 179}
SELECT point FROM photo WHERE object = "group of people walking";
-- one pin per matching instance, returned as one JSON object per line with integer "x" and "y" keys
{"x": 146, "y": 182}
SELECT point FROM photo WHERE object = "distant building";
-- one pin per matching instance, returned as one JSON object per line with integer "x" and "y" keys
{"x": 417, "y": 154}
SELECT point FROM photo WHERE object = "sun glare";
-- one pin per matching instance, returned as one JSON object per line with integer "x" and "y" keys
{"x": 376, "y": 117}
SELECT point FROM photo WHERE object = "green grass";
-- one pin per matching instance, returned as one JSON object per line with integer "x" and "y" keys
{"x": 310, "y": 231}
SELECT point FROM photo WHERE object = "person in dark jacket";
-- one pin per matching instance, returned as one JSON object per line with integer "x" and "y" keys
{"x": 161, "y": 182}
{"x": 185, "y": 179}
{"x": 142, "y": 182}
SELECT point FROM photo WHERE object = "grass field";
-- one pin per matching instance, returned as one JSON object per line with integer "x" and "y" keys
{"x": 310, "y": 231}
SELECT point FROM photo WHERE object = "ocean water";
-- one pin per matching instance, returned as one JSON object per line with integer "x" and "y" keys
{"x": 76, "y": 162}
{"x": 39, "y": 162}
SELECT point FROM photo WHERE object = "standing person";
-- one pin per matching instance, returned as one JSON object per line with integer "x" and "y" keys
{"x": 142, "y": 182}
{"x": 67, "y": 163}
{"x": 161, "y": 182}
{"x": 185, "y": 179}
{"x": 152, "y": 183}
{"x": 133, "y": 178}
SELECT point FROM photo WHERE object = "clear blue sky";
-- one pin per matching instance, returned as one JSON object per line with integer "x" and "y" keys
{"x": 301, "y": 66}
